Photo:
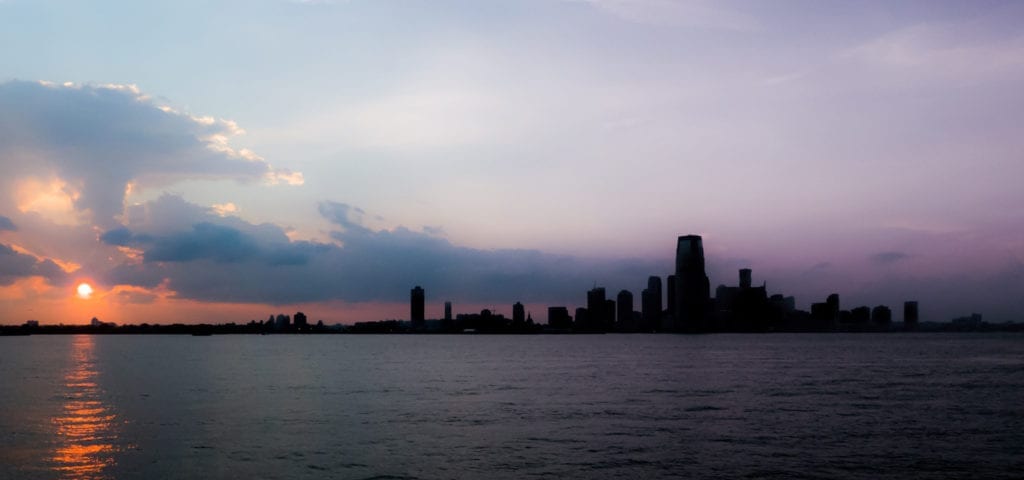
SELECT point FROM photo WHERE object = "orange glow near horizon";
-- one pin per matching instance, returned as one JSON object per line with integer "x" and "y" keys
{"x": 33, "y": 298}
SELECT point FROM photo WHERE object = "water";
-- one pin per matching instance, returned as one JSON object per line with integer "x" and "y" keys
{"x": 435, "y": 407}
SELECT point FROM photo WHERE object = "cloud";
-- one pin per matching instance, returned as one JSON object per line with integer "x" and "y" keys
{"x": 224, "y": 259}
{"x": 133, "y": 296}
{"x": 7, "y": 224}
{"x": 205, "y": 241}
{"x": 102, "y": 140}
{"x": 885, "y": 258}
{"x": 942, "y": 51}
{"x": 678, "y": 13}
{"x": 343, "y": 215}
{"x": 15, "y": 265}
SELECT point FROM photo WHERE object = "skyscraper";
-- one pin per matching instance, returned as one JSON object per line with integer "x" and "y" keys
{"x": 670, "y": 295}
{"x": 693, "y": 290}
{"x": 745, "y": 278}
{"x": 447, "y": 311}
{"x": 654, "y": 285}
{"x": 416, "y": 314}
{"x": 650, "y": 309}
{"x": 518, "y": 313}
{"x": 624, "y": 304}
{"x": 650, "y": 303}
{"x": 301, "y": 323}
{"x": 910, "y": 315}
{"x": 596, "y": 308}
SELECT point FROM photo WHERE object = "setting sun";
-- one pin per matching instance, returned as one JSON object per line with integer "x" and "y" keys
{"x": 84, "y": 290}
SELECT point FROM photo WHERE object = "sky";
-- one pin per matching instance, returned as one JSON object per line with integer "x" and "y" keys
{"x": 217, "y": 161}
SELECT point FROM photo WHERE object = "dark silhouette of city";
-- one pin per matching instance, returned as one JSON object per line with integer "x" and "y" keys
{"x": 688, "y": 307}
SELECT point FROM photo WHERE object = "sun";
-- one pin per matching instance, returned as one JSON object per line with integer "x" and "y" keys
{"x": 84, "y": 290}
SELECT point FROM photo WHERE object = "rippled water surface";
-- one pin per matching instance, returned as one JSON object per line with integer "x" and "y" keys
{"x": 582, "y": 406}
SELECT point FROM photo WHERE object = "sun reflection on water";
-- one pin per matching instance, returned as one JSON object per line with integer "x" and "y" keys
{"x": 85, "y": 435}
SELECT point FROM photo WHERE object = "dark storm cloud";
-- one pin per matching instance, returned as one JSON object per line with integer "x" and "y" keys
{"x": 7, "y": 224}
{"x": 15, "y": 265}
{"x": 101, "y": 138}
{"x": 225, "y": 259}
{"x": 119, "y": 236}
{"x": 885, "y": 258}
{"x": 205, "y": 241}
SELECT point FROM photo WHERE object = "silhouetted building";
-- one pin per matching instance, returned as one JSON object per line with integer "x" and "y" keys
{"x": 518, "y": 314}
{"x": 484, "y": 322}
{"x": 881, "y": 315}
{"x": 833, "y": 304}
{"x": 692, "y": 287}
{"x": 597, "y": 311}
{"x": 558, "y": 318}
{"x": 969, "y": 321}
{"x": 301, "y": 324}
{"x": 624, "y": 312}
{"x": 860, "y": 315}
{"x": 654, "y": 285}
{"x": 745, "y": 278}
{"x": 582, "y": 319}
{"x": 744, "y": 308}
{"x": 825, "y": 315}
{"x": 650, "y": 310}
{"x": 417, "y": 316}
{"x": 608, "y": 315}
{"x": 448, "y": 311}
{"x": 282, "y": 321}
{"x": 910, "y": 315}
{"x": 670, "y": 295}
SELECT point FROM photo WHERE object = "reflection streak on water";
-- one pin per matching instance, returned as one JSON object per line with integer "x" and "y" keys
{"x": 84, "y": 443}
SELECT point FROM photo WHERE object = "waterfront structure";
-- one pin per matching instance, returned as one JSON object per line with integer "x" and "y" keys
{"x": 518, "y": 314}
{"x": 650, "y": 304}
{"x": 624, "y": 315}
{"x": 670, "y": 297}
{"x": 881, "y": 315}
{"x": 559, "y": 319}
{"x": 744, "y": 308}
{"x": 596, "y": 316}
{"x": 910, "y": 314}
{"x": 417, "y": 316}
{"x": 692, "y": 288}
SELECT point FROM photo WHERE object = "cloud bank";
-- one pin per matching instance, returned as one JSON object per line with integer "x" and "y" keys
{"x": 15, "y": 265}
{"x": 96, "y": 142}
{"x": 212, "y": 258}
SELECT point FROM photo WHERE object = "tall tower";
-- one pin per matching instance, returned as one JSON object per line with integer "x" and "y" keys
{"x": 745, "y": 278}
{"x": 447, "y": 311}
{"x": 624, "y": 314}
{"x": 518, "y": 313}
{"x": 910, "y": 315}
{"x": 670, "y": 295}
{"x": 693, "y": 290}
{"x": 595, "y": 309}
{"x": 654, "y": 285}
{"x": 416, "y": 311}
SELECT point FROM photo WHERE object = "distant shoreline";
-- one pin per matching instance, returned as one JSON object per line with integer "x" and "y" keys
{"x": 388, "y": 328}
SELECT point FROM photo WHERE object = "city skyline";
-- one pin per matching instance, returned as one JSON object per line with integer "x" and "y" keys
{"x": 328, "y": 156}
